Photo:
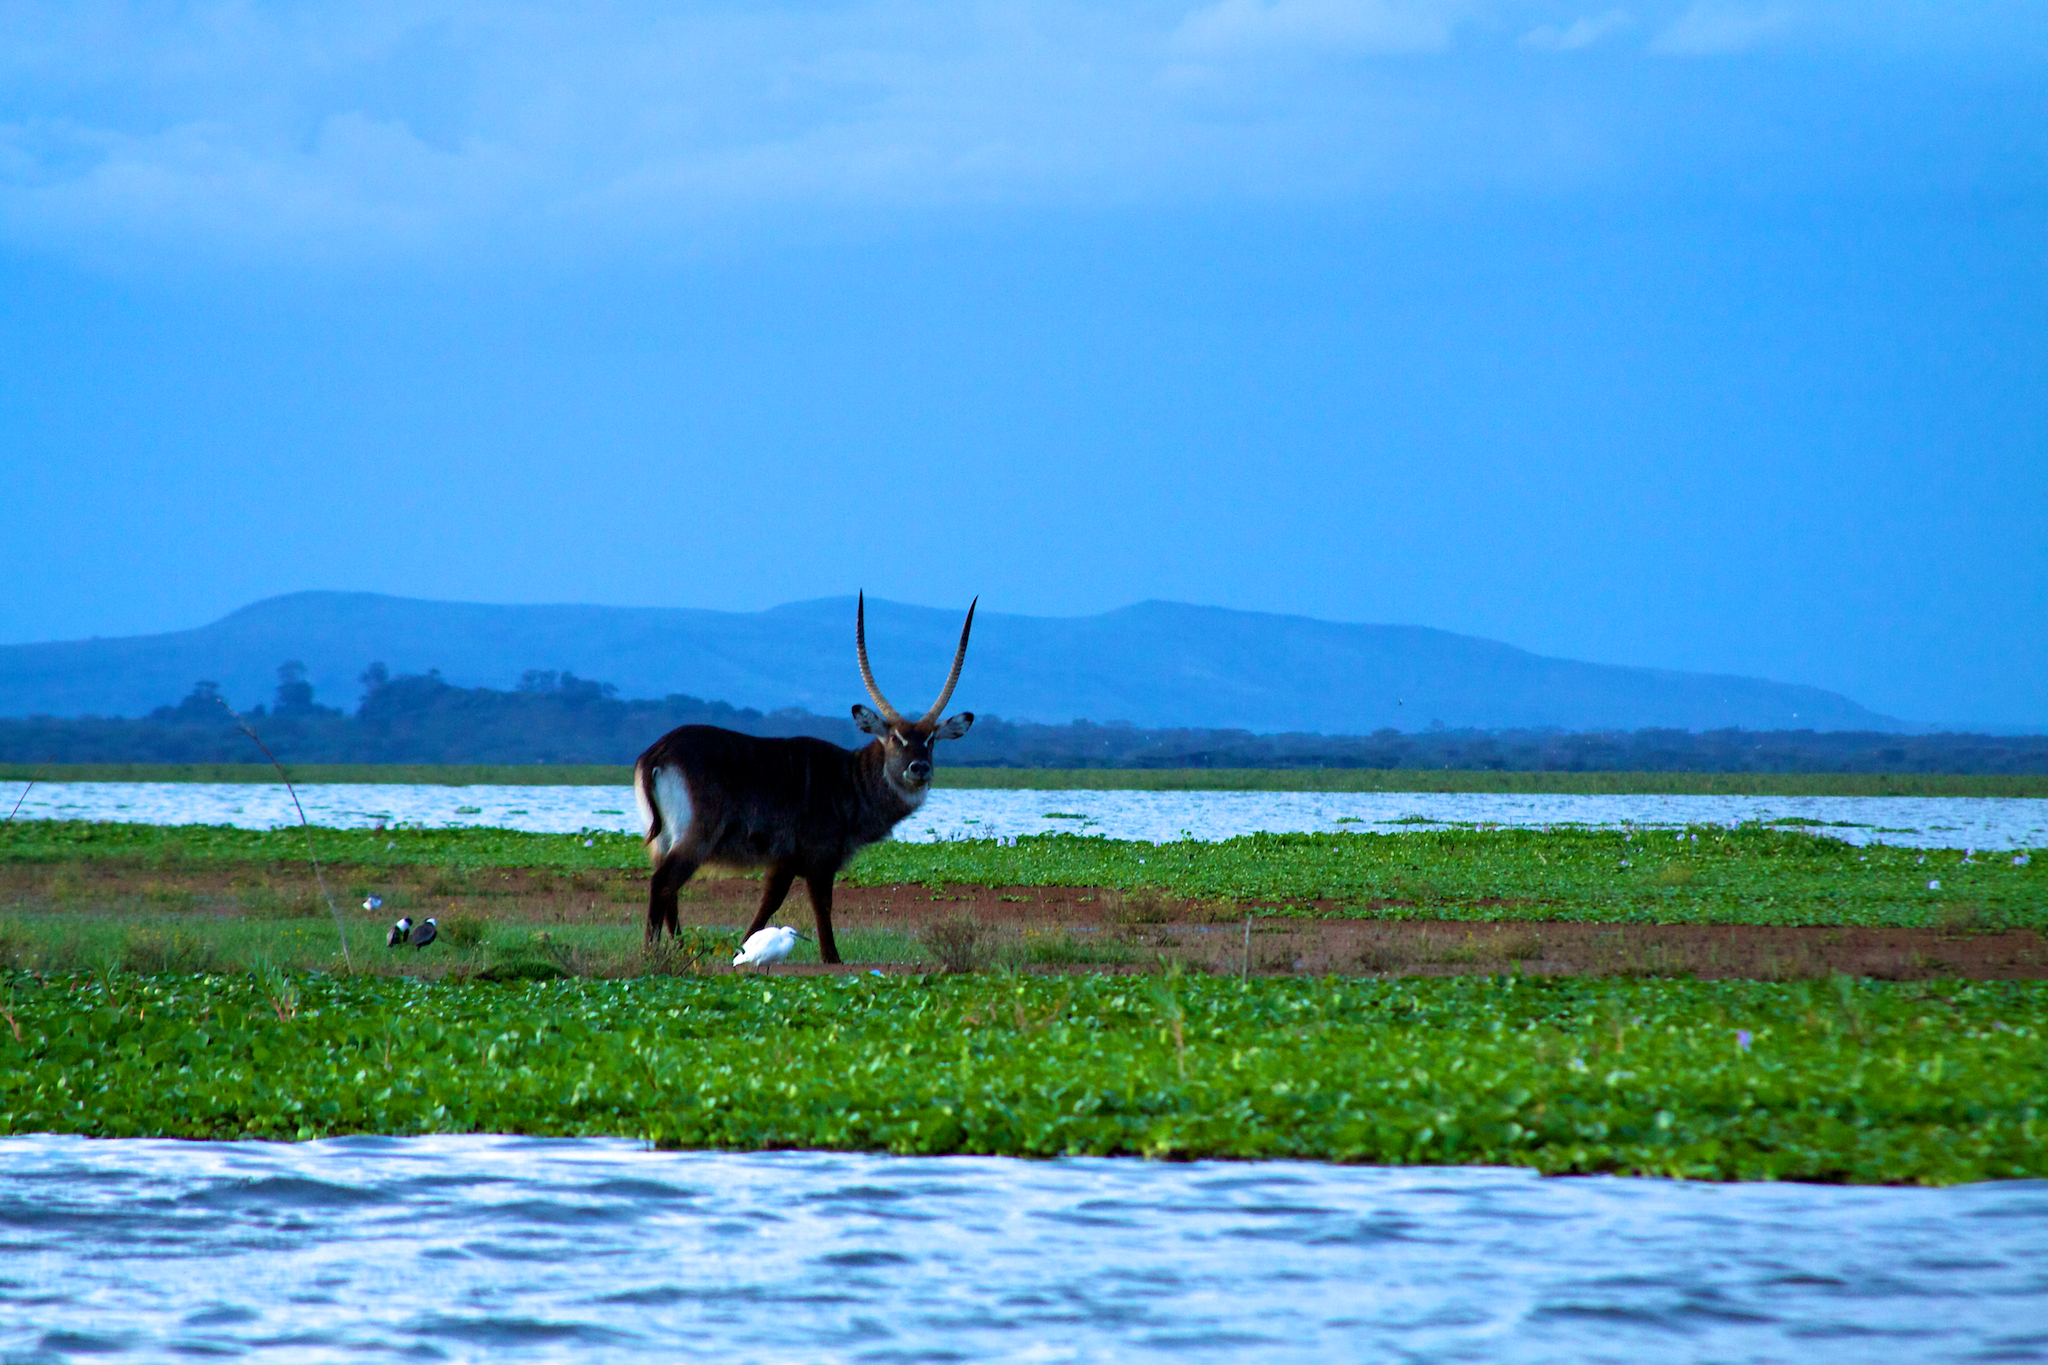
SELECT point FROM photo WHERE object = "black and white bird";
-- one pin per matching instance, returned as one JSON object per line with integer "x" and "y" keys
{"x": 423, "y": 933}
{"x": 399, "y": 932}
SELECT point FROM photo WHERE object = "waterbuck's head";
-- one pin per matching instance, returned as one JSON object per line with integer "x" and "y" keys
{"x": 907, "y": 744}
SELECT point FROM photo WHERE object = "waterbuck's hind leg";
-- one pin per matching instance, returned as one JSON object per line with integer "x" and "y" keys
{"x": 669, "y": 875}
{"x": 821, "y": 904}
{"x": 775, "y": 884}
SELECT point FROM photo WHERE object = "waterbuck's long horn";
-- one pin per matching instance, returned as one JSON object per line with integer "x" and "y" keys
{"x": 860, "y": 645}
{"x": 953, "y": 678}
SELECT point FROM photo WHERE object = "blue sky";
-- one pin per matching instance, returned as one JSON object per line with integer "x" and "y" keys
{"x": 1697, "y": 335}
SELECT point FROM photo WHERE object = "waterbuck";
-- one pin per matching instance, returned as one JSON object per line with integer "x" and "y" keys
{"x": 798, "y": 807}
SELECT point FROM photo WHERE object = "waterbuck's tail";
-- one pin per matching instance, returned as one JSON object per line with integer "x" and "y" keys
{"x": 664, "y": 801}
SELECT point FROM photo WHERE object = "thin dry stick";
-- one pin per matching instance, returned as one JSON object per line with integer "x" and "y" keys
{"x": 1246, "y": 975}
{"x": 26, "y": 790}
{"x": 304, "y": 824}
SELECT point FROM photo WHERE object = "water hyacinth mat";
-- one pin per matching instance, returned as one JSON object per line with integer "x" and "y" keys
{"x": 1832, "y": 1080}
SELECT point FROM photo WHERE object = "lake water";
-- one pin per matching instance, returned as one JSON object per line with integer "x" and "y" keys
{"x": 518, "y": 1249}
{"x": 1927, "y": 822}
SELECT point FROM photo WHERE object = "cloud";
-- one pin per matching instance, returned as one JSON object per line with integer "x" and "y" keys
{"x": 1333, "y": 26}
{"x": 386, "y": 128}
{"x": 1711, "y": 29}
{"x": 355, "y": 179}
{"x": 455, "y": 127}
{"x": 1583, "y": 31}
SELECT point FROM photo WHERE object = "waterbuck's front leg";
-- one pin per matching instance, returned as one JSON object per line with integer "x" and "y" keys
{"x": 820, "y": 884}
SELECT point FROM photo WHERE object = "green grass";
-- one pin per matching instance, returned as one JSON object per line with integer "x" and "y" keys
{"x": 136, "y": 940}
{"x": 1752, "y": 875}
{"x": 1841, "y": 1081}
{"x": 1114, "y": 779}
{"x": 175, "y": 845}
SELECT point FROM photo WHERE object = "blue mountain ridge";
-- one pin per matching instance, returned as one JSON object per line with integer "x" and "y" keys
{"x": 1153, "y": 664}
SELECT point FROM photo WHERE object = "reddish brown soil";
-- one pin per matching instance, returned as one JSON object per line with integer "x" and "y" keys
{"x": 1213, "y": 937}
{"x": 1060, "y": 928}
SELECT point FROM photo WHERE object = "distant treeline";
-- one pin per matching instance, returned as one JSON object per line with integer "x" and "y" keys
{"x": 561, "y": 718}
{"x": 551, "y": 718}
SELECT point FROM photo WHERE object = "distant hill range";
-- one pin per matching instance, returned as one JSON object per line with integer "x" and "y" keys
{"x": 1152, "y": 665}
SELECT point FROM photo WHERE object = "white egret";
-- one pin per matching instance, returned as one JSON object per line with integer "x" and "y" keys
{"x": 765, "y": 946}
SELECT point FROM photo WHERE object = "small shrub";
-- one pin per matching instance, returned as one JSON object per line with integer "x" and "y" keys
{"x": 539, "y": 957}
{"x": 451, "y": 880}
{"x": 1381, "y": 957}
{"x": 1146, "y": 905}
{"x": 687, "y": 951}
{"x": 1899, "y": 967}
{"x": 565, "y": 958}
{"x": 960, "y": 944}
{"x": 1960, "y": 917}
{"x": 464, "y": 930}
{"x": 263, "y": 902}
{"x": 1450, "y": 954}
{"x": 1068, "y": 949}
{"x": 170, "y": 898}
{"x": 522, "y": 969}
{"x": 1515, "y": 948}
{"x": 1653, "y": 961}
{"x": 1274, "y": 957}
{"x": 152, "y": 951}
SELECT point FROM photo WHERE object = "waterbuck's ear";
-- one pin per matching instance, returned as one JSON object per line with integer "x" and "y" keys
{"x": 870, "y": 722}
{"x": 954, "y": 726}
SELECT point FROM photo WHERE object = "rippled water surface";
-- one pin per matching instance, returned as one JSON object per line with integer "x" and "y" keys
{"x": 1929, "y": 822}
{"x": 527, "y": 1249}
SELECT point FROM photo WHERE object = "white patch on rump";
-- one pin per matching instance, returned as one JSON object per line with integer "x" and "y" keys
{"x": 671, "y": 799}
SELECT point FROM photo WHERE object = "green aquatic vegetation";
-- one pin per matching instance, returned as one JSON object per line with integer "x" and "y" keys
{"x": 1837, "y": 1081}
{"x": 1751, "y": 875}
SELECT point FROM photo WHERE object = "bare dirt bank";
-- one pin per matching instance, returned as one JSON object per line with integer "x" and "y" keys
{"x": 1046, "y": 929}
